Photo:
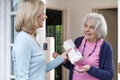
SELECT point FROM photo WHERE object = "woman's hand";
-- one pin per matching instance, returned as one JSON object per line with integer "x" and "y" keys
{"x": 54, "y": 54}
{"x": 83, "y": 69}
{"x": 65, "y": 54}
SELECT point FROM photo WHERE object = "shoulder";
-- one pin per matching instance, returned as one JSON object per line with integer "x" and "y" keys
{"x": 79, "y": 38}
{"x": 22, "y": 39}
{"x": 78, "y": 41}
{"x": 106, "y": 44}
{"x": 106, "y": 48}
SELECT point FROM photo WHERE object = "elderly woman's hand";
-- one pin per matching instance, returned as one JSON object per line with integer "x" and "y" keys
{"x": 83, "y": 69}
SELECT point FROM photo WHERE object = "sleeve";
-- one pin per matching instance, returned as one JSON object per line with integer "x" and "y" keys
{"x": 54, "y": 63}
{"x": 107, "y": 71}
{"x": 67, "y": 64}
{"x": 22, "y": 56}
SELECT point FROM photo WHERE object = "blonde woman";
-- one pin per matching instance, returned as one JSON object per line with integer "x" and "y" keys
{"x": 28, "y": 57}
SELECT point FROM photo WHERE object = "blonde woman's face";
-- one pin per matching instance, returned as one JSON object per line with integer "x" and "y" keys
{"x": 41, "y": 20}
{"x": 89, "y": 30}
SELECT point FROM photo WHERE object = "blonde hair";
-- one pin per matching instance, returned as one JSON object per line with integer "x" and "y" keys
{"x": 26, "y": 15}
{"x": 101, "y": 25}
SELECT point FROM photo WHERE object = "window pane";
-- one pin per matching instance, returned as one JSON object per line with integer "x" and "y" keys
{"x": 13, "y": 32}
{"x": 13, "y": 35}
{"x": 12, "y": 67}
{"x": 14, "y": 4}
{"x": 50, "y": 31}
{"x": 58, "y": 29}
{"x": 59, "y": 43}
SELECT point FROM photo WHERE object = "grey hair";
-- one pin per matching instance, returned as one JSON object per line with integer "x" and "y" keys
{"x": 101, "y": 25}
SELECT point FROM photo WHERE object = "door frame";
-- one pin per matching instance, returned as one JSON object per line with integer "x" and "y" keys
{"x": 115, "y": 55}
{"x": 65, "y": 32}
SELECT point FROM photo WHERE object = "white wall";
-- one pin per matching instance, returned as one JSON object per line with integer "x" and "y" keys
{"x": 57, "y": 3}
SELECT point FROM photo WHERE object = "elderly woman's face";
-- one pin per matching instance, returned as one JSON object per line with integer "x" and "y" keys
{"x": 89, "y": 30}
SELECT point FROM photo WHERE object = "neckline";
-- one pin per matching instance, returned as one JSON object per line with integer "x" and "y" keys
{"x": 92, "y": 50}
{"x": 33, "y": 38}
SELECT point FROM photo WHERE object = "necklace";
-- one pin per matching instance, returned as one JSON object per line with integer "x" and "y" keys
{"x": 92, "y": 50}
{"x": 37, "y": 43}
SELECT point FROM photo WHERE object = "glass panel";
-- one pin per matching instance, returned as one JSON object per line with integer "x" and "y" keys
{"x": 50, "y": 31}
{"x": 58, "y": 38}
{"x": 13, "y": 35}
{"x": 58, "y": 29}
{"x": 59, "y": 43}
{"x": 13, "y": 32}
{"x": 14, "y": 4}
{"x": 12, "y": 67}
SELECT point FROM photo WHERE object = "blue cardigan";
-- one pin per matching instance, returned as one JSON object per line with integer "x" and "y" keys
{"x": 106, "y": 68}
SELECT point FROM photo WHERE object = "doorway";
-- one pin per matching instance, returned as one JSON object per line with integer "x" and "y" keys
{"x": 54, "y": 29}
{"x": 111, "y": 16}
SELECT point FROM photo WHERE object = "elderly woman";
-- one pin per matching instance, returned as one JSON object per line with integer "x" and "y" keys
{"x": 97, "y": 62}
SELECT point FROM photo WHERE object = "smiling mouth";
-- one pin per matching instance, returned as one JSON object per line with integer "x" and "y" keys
{"x": 87, "y": 34}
